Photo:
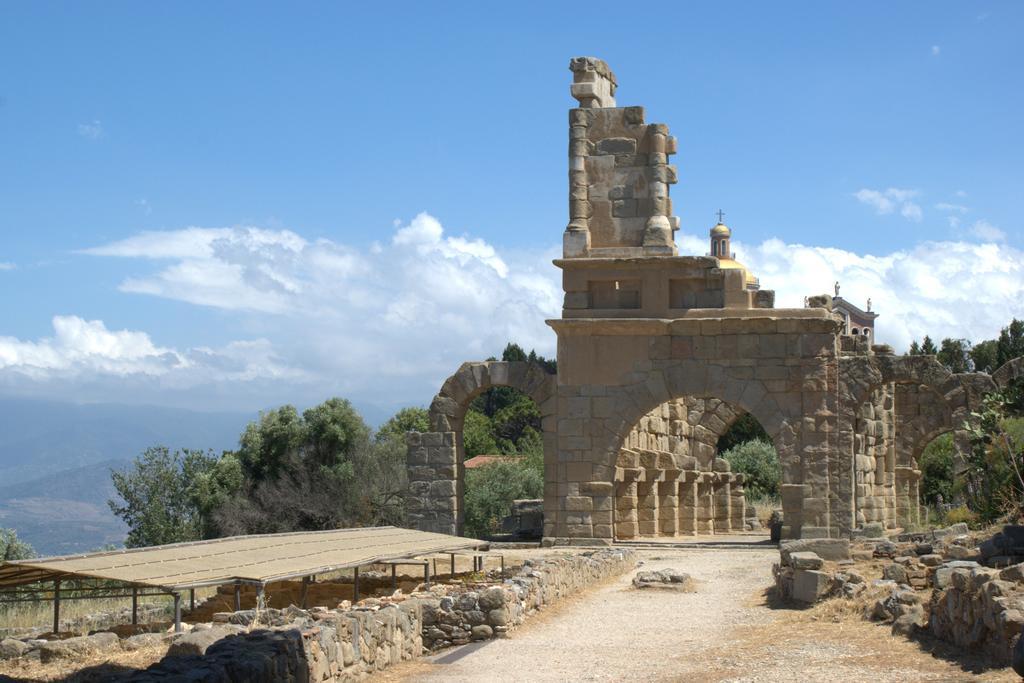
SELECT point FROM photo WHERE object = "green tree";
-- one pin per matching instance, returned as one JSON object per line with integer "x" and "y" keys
{"x": 477, "y": 437}
{"x": 1010, "y": 344}
{"x": 491, "y": 489}
{"x": 915, "y": 348}
{"x": 318, "y": 470}
{"x": 157, "y": 499}
{"x": 993, "y": 480}
{"x": 13, "y": 548}
{"x": 984, "y": 355}
{"x": 745, "y": 428}
{"x": 760, "y": 463}
{"x": 928, "y": 347}
{"x": 936, "y": 465}
{"x": 955, "y": 355}
{"x": 404, "y": 421}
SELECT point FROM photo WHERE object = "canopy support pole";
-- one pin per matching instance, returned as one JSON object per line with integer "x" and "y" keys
{"x": 135, "y": 605}
{"x": 191, "y": 599}
{"x": 177, "y": 612}
{"x": 355, "y": 587}
{"x": 238, "y": 596}
{"x": 56, "y": 606}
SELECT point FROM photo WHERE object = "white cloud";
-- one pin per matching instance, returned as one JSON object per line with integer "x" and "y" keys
{"x": 944, "y": 289}
{"x": 385, "y": 324}
{"x": 367, "y": 322}
{"x": 889, "y": 200}
{"x": 92, "y": 131}
{"x": 987, "y": 231}
{"x": 85, "y": 348}
{"x": 7, "y": 265}
{"x": 936, "y": 50}
{"x": 953, "y": 212}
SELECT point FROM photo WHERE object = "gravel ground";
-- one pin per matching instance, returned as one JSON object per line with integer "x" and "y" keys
{"x": 724, "y": 631}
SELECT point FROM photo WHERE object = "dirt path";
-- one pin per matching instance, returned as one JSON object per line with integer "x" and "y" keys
{"x": 724, "y": 631}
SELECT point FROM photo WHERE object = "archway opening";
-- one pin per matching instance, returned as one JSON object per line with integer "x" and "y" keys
{"x": 502, "y": 449}
{"x": 748, "y": 449}
{"x": 673, "y": 479}
{"x": 936, "y": 491}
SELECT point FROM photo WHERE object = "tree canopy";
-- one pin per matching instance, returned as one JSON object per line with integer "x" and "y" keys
{"x": 960, "y": 355}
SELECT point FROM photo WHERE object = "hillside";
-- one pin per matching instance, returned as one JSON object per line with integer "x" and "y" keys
{"x": 55, "y": 461}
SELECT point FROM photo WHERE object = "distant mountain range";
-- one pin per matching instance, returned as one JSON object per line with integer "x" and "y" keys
{"x": 55, "y": 461}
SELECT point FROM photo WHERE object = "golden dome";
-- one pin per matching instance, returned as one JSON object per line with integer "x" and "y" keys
{"x": 721, "y": 230}
{"x": 730, "y": 264}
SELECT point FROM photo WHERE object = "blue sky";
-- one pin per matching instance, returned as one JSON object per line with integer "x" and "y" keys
{"x": 879, "y": 143}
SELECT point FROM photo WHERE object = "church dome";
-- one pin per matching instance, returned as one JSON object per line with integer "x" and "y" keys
{"x": 721, "y": 230}
{"x": 732, "y": 264}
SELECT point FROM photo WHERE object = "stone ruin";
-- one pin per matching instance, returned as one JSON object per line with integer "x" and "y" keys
{"x": 659, "y": 353}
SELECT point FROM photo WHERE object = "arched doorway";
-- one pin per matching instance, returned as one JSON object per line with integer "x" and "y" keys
{"x": 436, "y": 459}
{"x": 670, "y": 478}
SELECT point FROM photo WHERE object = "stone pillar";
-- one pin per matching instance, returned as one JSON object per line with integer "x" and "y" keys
{"x": 705, "y": 504}
{"x": 626, "y": 503}
{"x": 688, "y": 503}
{"x": 908, "y": 507}
{"x": 432, "y": 501}
{"x": 668, "y": 504}
{"x": 738, "y": 504}
{"x": 647, "y": 503}
{"x": 723, "y": 503}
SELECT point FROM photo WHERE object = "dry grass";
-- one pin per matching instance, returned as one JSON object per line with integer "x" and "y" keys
{"x": 95, "y": 668}
{"x": 29, "y": 616}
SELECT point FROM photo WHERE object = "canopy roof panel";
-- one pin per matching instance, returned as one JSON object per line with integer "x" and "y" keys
{"x": 250, "y": 559}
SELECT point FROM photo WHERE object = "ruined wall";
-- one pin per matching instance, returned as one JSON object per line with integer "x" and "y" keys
{"x": 667, "y": 479}
{"x": 619, "y": 174}
{"x": 874, "y": 459}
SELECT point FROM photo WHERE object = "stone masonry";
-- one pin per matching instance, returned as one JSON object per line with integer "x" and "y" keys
{"x": 659, "y": 352}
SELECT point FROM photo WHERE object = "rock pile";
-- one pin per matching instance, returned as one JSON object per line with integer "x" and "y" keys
{"x": 669, "y": 579}
{"x": 801, "y": 575}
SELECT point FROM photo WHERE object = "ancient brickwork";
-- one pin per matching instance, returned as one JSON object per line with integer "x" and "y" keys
{"x": 657, "y": 353}
{"x": 435, "y": 459}
{"x": 667, "y": 479}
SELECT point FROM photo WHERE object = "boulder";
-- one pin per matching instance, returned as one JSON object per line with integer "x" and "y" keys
{"x": 930, "y": 560}
{"x": 1013, "y": 573}
{"x": 79, "y": 648}
{"x": 663, "y": 578}
{"x": 830, "y": 549}
{"x": 197, "y": 642}
{"x": 805, "y": 560}
{"x": 873, "y": 530}
{"x": 809, "y": 586}
{"x": 910, "y": 622}
{"x": 12, "y": 649}
{"x": 895, "y": 572}
{"x": 1017, "y": 661}
{"x": 481, "y": 632}
{"x": 491, "y": 598}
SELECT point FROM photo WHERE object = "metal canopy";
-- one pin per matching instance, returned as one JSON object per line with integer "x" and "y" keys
{"x": 246, "y": 559}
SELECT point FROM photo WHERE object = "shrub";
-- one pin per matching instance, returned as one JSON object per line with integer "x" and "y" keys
{"x": 936, "y": 465}
{"x": 961, "y": 514}
{"x": 491, "y": 489}
{"x": 760, "y": 463}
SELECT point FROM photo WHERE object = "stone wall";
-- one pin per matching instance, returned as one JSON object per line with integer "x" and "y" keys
{"x": 347, "y": 644}
{"x": 478, "y": 613}
{"x": 316, "y": 646}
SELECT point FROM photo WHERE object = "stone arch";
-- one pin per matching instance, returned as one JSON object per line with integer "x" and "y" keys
{"x": 1008, "y": 372}
{"x": 668, "y": 477}
{"x": 434, "y": 459}
{"x": 955, "y": 396}
{"x": 779, "y": 410}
